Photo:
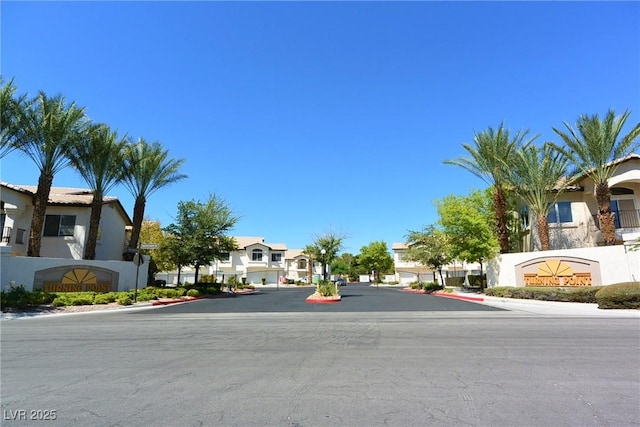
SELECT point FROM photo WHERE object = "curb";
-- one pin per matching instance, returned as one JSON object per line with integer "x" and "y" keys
{"x": 310, "y": 300}
{"x": 174, "y": 301}
{"x": 461, "y": 297}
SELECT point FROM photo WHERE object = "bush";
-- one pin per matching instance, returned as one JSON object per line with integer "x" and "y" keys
{"x": 581, "y": 294}
{"x": 65, "y": 299}
{"x": 414, "y": 285}
{"x": 105, "y": 298}
{"x": 431, "y": 287}
{"x": 623, "y": 295}
{"x": 475, "y": 280}
{"x": 193, "y": 293}
{"x": 327, "y": 290}
{"x": 124, "y": 299}
{"x": 19, "y": 297}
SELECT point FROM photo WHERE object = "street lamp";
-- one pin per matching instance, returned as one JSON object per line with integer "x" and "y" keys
{"x": 324, "y": 273}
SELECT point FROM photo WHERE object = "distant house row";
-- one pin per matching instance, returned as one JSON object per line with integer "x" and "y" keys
{"x": 573, "y": 224}
{"x": 256, "y": 260}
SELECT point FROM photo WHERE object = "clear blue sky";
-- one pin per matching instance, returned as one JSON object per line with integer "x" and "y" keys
{"x": 310, "y": 116}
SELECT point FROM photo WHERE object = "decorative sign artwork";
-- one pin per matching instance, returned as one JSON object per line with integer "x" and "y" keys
{"x": 558, "y": 272}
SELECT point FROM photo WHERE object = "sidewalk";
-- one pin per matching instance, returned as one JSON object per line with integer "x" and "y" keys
{"x": 552, "y": 308}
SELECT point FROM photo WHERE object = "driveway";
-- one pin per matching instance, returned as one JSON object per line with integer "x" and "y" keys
{"x": 356, "y": 298}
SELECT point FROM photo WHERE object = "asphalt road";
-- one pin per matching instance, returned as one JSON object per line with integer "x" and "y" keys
{"x": 237, "y": 362}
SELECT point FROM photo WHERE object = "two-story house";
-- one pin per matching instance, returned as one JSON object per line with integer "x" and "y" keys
{"x": 411, "y": 271}
{"x": 255, "y": 261}
{"x": 573, "y": 220}
{"x": 60, "y": 266}
{"x": 66, "y": 223}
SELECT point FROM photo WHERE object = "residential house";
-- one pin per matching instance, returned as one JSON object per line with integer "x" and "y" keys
{"x": 411, "y": 271}
{"x": 66, "y": 224}
{"x": 60, "y": 266}
{"x": 254, "y": 261}
{"x": 573, "y": 221}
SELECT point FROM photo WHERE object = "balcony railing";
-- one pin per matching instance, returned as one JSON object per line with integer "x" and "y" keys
{"x": 623, "y": 219}
{"x": 6, "y": 235}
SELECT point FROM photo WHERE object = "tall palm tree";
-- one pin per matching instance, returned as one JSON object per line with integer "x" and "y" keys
{"x": 11, "y": 107}
{"x": 538, "y": 176}
{"x": 49, "y": 127}
{"x": 98, "y": 160}
{"x": 147, "y": 169}
{"x": 593, "y": 148}
{"x": 493, "y": 151}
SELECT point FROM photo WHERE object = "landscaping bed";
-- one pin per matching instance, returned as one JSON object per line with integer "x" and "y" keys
{"x": 620, "y": 296}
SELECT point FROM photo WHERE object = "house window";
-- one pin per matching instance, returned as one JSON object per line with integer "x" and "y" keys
{"x": 256, "y": 255}
{"x": 20, "y": 236}
{"x": 276, "y": 257}
{"x": 302, "y": 264}
{"x": 225, "y": 256}
{"x": 59, "y": 225}
{"x": 560, "y": 213}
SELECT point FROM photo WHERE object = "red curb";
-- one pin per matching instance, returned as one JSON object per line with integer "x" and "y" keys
{"x": 462, "y": 297}
{"x": 414, "y": 291}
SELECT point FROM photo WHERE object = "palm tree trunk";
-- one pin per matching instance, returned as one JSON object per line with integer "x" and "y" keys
{"x": 138, "y": 216}
{"x": 94, "y": 227}
{"x": 40, "y": 201}
{"x": 607, "y": 222}
{"x": 543, "y": 232}
{"x": 500, "y": 207}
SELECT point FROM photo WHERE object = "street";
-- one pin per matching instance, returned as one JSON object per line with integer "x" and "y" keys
{"x": 379, "y": 357}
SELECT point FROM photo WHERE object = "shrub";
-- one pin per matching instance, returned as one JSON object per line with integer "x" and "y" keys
{"x": 105, "y": 298}
{"x": 414, "y": 285}
{"x": 431, "y": 287}
{"x": 65, "y": 299}
{"x": 193, "y": 293}
{"x": 475, "y": 280}
{"x": 124, "y": 299}
{"x": 581, "y": 294}
{"x": 19, "y": 297}
{"x": 327, "y": 290}
{"x": 623, "y": 295}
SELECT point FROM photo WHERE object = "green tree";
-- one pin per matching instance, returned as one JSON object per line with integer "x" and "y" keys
{"x": 11, "y": 108}
{"x": 467, "y": 221}
{"x": 49, "y": 128}
{"x": 376, "y": 257}
{"x": 493, "y": 151}
{"x": 98, "y": 159}
{"x": 331, "y": 243}
{"x": 147, "y": 168}
{"x": 593, "y": 148}
{"x": 537, "y": 175}
{"x": 430, "y": 248}
{"x": 202, "y": 230}
{"x": 151, "y": 233}
{"x": 342, "y": 264}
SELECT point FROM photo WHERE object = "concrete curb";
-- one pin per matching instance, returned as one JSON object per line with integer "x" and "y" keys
{"x": 175, "y": 301}
{"x": 461, "y": 297}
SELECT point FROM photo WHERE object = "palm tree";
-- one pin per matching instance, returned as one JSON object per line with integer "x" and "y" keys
{"x": 49, "y": 127}
{"x": 98, "y": 160}
{"x": 493, "y": 151}
{"x": 538, "y": 177}
{"x": 147, "y": 169}
{"x": 593, "y": 149}
{"x": 11, "y": 107}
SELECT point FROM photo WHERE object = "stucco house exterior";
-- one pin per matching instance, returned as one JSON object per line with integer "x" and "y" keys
{"x": 66, "y": 223}
{"x": 60, "y": 266}
{"x": 573, "y": 221}
{"x": 407, "y": 272}
{"x": 254, "y": 260}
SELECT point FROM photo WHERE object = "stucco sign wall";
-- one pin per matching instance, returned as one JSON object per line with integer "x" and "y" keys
{"x": 558, "y": 271}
